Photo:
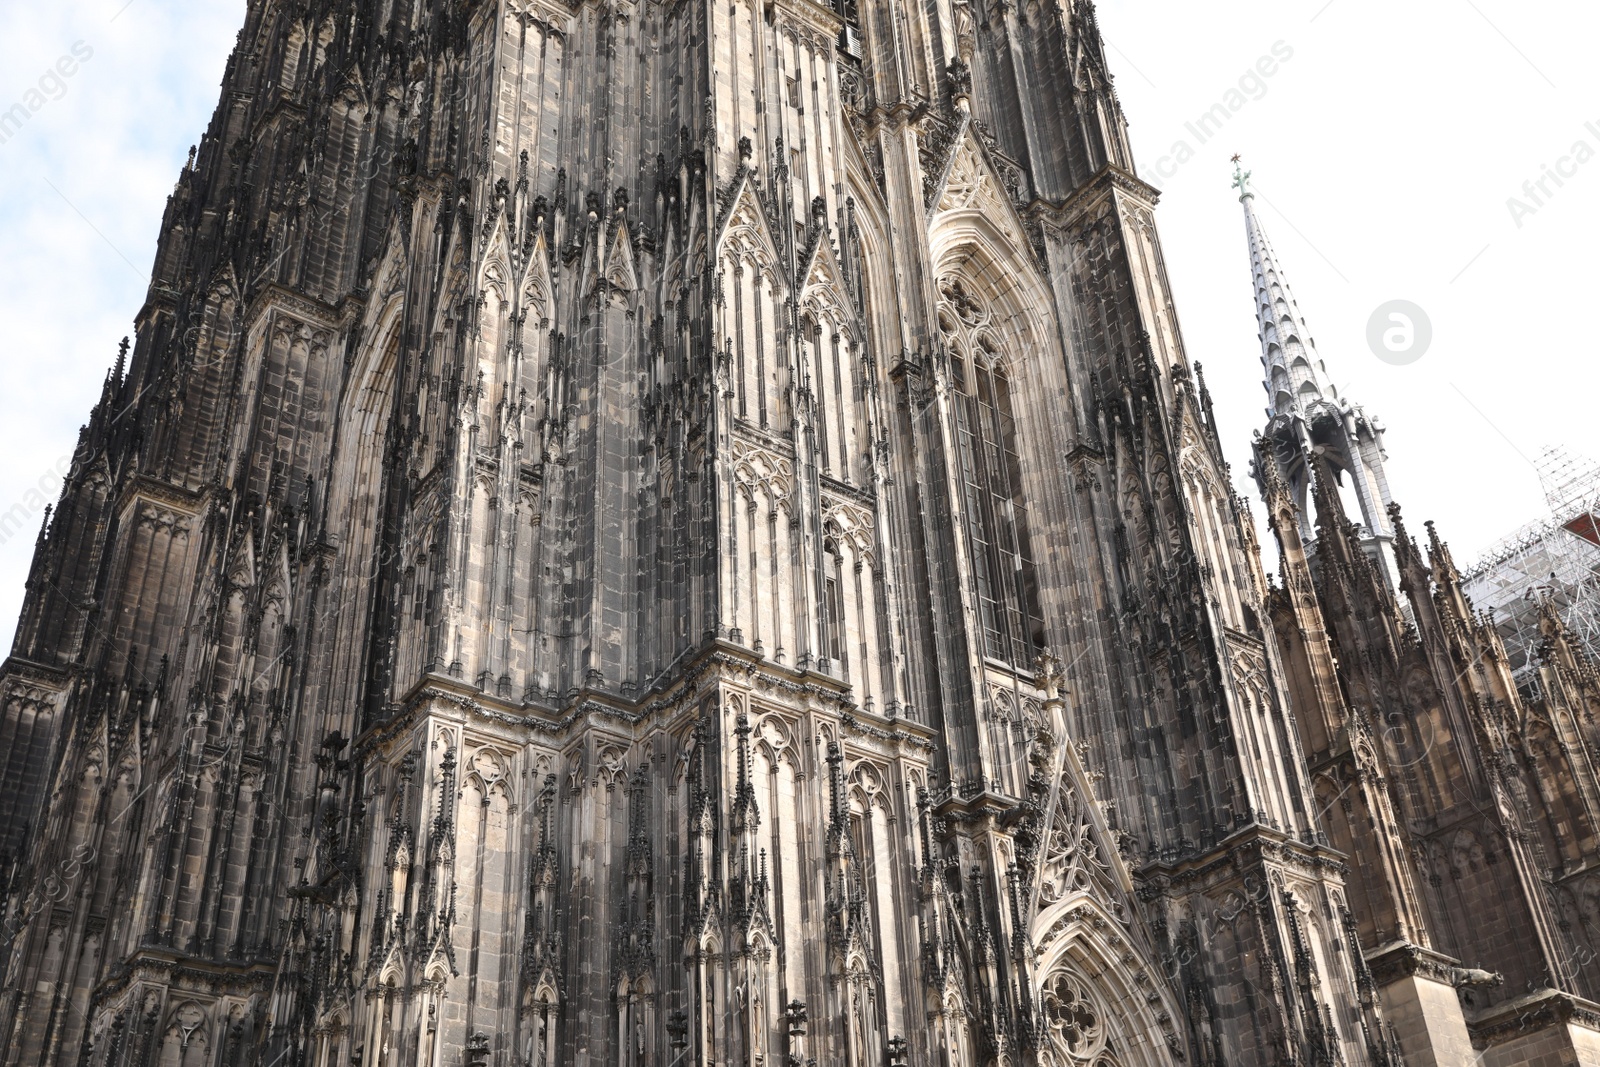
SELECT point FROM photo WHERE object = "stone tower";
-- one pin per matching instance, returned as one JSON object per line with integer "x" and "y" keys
{"x": 648, "y": 532}
{"x": 1470, "y": 812}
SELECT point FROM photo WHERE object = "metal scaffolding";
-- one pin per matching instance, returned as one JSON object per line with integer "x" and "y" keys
{"x": 1556, "y": 559}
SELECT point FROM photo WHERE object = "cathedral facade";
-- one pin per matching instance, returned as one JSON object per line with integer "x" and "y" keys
{"x": 651, "y": 533}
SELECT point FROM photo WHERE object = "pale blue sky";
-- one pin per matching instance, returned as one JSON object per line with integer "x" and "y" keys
{"x": 82, "y": 189}
{"x": 1384, "y": 150}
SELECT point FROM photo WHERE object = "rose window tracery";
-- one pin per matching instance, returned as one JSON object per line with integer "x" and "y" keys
{"x": 968, "y": 309}
{"x": 1073, "y": 1028}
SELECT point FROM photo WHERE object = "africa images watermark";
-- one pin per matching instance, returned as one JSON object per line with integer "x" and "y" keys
{"x": 52, "y": 85}
{"x": 1399, "y": 333}
{"x": 19, "y": 518}
{"x": 1536, "y": 192}
{"x": 1252, "y": 85}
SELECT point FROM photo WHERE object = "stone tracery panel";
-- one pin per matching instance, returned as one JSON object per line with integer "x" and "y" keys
{"x": 1074, "y": 1028}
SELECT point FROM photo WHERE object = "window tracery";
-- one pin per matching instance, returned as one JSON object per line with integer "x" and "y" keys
{"x": 993, "y": 501}
{"x": 1074, "y": 1028}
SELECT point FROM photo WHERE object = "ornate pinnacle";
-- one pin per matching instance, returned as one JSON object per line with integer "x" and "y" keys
{"x": 797, "y": 1018}
{"x": 836, "y": 792}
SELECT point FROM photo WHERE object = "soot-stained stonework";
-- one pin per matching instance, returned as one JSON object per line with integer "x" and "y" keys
{"x": 1467, "y": 806}
{"x": 685, "y": 532}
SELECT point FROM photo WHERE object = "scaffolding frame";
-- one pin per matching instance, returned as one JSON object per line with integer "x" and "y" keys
{"x": 1555, "y": 560}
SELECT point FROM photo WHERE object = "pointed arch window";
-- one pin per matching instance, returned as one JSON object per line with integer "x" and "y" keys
{"x": 996, "y": 509}
{"x": 832, "y": 603}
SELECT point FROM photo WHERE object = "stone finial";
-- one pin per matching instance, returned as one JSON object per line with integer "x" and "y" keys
{"x": 678, "y": 1031}
{"x": 1241, "y": 178}
{"x": 797, "y": 1018}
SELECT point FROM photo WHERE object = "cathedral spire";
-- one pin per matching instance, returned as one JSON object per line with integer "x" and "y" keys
{"x": 1296, "y": 378}
{"x": 1306, "y": 414}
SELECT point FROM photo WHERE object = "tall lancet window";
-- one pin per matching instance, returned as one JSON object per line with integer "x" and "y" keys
{"x": 832, "y": 603}
{"x": 993, "y": 502}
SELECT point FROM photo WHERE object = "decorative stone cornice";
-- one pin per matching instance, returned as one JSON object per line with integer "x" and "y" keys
{"x": 163, "y": 967}
{"x": 16, "y": 670}
{"x": 821, "y": 25}
{"x": 1535, "y": 1011}
{"x": 190, "y": 502}
{"x": 1254, "y": 844}
{"x": 717, "y": 661}
{"x": 551, "y": 15}
{"x": 1110, "y": 179}
{"x": 1401, "y": 959}
{"x": 891, "y": 731}
{"x": 312, "y": 311}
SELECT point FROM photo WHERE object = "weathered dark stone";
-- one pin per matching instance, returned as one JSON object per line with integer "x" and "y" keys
{"x": 648, "y": 531}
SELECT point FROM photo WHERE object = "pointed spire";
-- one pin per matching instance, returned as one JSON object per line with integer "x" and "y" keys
{"x": 1306, "y": 415}
{"x": 1439, "y": 554}
{"x": 1412, "y": 569}
{"x": 1295, "y": 378}
{"x": 1402, "y": 536}
{"x": 1204, "y": 393}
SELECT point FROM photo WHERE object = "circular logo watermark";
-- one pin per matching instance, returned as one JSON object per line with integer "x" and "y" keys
{"x": 1399, "y": 333}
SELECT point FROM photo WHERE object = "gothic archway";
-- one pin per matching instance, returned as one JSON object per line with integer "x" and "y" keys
{"x": 356, "y": 500}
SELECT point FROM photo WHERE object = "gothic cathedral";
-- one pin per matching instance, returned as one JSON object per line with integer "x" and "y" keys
{"x": 649, "y": 533}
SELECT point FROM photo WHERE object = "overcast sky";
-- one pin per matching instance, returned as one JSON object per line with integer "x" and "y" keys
{"x": 1385, "y": 152}
{"x": 1385, "y": 149}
